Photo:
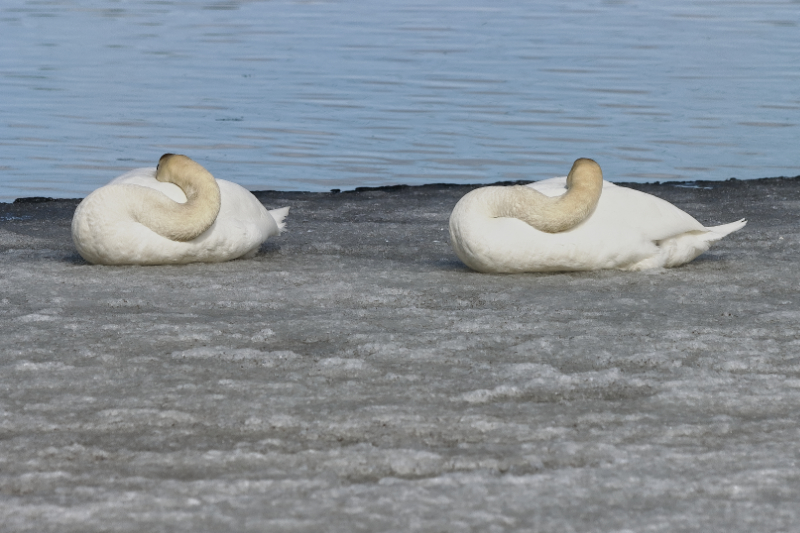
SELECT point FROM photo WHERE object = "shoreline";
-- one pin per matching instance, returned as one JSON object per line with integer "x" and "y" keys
{"x": 398, "y": 187}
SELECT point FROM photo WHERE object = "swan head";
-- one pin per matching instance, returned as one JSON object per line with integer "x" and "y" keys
{"x": 177, "y": 167}
{"x": 163, "y": 158}
{"x": 586, "y": 170}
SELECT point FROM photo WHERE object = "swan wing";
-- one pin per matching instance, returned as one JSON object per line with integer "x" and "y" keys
{"x": 655, "y": 218}
{"x": 636, "y": 231}
{"x": 621, "y": 209}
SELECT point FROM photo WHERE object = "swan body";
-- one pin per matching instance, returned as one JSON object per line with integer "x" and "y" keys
{"x": 626, "y": 230}
{"x": 175, "y": 213}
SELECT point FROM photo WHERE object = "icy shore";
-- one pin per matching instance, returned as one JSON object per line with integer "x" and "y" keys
{"x": 354, "y": 376}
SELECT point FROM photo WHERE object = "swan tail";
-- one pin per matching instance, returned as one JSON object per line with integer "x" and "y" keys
{"x": 682, "y": 248}
{"x": 718, "y": 232}
{"x": 280, "y": 215}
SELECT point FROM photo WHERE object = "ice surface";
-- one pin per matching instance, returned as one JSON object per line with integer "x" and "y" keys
{"x": 354, "y": 376}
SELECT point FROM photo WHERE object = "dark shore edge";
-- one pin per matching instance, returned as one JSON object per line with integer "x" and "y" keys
{"x": 698, "y": 184}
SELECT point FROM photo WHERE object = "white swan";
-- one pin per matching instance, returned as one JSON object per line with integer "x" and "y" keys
{"x": 593, "y": 225}
{"x": 175, "y": 213}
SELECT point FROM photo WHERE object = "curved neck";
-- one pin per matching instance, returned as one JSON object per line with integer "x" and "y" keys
{"x": 560, "y": 213}
{"x": 183, "y": 222}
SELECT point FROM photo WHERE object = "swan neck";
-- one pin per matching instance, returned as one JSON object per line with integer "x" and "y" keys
{"x": 184, "y": 222}
{"x": 561, "y": 213}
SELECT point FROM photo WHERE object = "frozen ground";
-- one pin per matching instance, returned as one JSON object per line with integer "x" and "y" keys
{"x": 355, "y": 377}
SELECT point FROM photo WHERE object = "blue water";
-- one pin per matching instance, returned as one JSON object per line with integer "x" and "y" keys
{"x": 322, "y": 95}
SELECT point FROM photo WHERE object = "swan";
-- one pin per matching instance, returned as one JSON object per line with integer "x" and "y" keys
{"x": 580, "y": 222}
{"x": 172, "y": 214}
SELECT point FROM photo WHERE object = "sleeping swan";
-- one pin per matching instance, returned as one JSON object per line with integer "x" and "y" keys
{"x": 175, "y": 213}
{"x": 565, "y": 224}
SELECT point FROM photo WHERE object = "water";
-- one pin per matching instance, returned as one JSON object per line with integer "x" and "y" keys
{"x": 322, "y": 95}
